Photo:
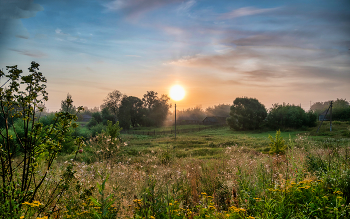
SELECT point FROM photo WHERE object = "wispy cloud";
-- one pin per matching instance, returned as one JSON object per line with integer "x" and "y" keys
{"x": 34, "y": 54}
{"x": 136, "y": 8}
{"x": 246, "y": 11}
{"x": 186, "y": 6}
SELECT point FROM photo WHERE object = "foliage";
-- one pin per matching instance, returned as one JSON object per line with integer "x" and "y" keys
{"x": 103, "y": 207}
{"x": 131, "y": 112}
{"x": 107, "y": 116}
{"x": 67, "y": 105}
{"x": 277, "y": 145}
{"x": 246, "y": 114}
{"x": 340, "y": 111}
{"x": 113, "y": 130}
{"x": 23, "y": 152}
{"x": 290, "y": 116}
{"x": 195, "y": 113}
{"x": 218, "y": 110}
{"x": 157, "y": 108}
{"x": 112, "y": 102}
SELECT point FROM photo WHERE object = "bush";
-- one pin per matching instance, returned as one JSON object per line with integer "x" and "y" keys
{"x": 277, "y": 145}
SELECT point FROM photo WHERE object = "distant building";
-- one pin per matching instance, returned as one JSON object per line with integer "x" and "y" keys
{"x": 214, "y": 120}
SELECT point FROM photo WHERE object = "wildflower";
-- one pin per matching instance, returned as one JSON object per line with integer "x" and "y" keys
{"x": 203, "y": 193}
{"x": 21, "y": 217}
{"x": 170, "y": 204}
{"x": 338, "y": 192}
{"x": 152, "y": 217}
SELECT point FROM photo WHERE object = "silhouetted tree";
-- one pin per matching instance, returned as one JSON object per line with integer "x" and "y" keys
{"x": 246, "y": 114}
{"x": 112, "y": 102}
{"x": 131, "y": 112}
{"x": 157, "y": 108}
{"x": 67, "y": 105}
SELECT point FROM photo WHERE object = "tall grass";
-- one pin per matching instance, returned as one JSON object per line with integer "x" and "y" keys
{"x": 311, "y": 180}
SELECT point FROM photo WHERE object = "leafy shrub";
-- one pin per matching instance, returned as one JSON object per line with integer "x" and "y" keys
{"x": 32, "y": 146}
{"x": 277, "y": 145}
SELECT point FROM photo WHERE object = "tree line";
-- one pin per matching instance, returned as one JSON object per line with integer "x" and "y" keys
{"x": 129, "y": 111}
{"x": 249, "y": 114}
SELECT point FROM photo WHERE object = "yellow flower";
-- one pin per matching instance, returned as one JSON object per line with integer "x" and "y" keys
{"x": 21, "y": 217}
{"x": 170, "y": 204}
{"x": 152, "y": 217}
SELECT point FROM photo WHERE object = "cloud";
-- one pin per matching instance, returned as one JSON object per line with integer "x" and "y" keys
{"x": 186, "y": 6}
{"x": 34, "y": 54}
{"x": 18, "y": 9}
{"x": 11, "y": 11}
{"x": 272, "y": 66}
{"x": 246, "y": 11}
{"x": 136, "y": 8}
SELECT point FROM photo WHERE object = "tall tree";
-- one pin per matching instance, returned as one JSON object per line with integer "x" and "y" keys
{"x": 149, "y": 99}
{"x": 157, "y": 108}
{"x": 131, "y": 112}
{"x": 246, "y": 114}
{"x": 67, "y": 105}
{"x": 112, "y": 102}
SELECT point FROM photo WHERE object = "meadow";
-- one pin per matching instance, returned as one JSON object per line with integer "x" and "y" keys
{"x": 214, "y": 173}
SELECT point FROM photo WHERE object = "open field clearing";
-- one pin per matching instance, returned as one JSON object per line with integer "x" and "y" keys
{"x": 215, "y": 173}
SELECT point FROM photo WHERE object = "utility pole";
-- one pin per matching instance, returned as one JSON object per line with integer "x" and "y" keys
{"x": 175, "y": 120}
{"x": 330, "y": 124}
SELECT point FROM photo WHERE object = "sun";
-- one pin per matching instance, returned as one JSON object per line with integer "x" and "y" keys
{"x": 177, "y": 92}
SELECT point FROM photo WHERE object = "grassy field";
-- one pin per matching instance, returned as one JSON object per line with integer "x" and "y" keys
{"x": 213, "y": 173}
{"x": 202, "y": 144}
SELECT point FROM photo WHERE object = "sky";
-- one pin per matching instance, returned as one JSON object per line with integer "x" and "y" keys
{"x": 279, "y": 51}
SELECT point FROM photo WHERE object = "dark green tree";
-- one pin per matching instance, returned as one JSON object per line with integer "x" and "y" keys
{"x": 112, "y": 102}
{"x": 107, "y": 116}
{"x": 131, "y": 112}
{"x": 149, "y": 99}
{"x": 246, "y": 114}
{"x": 290, "y": 116}
{"x": 157, "y": 108}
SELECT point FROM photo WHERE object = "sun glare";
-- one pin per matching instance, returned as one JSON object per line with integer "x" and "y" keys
{"x": 177, "y": 93}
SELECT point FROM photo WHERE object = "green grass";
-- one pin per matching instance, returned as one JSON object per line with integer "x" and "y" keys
{"x": 203, "y": 144}
{"x": 168, "y": 128}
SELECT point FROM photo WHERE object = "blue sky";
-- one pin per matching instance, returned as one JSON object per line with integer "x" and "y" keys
{"x": 275, "y": 51}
